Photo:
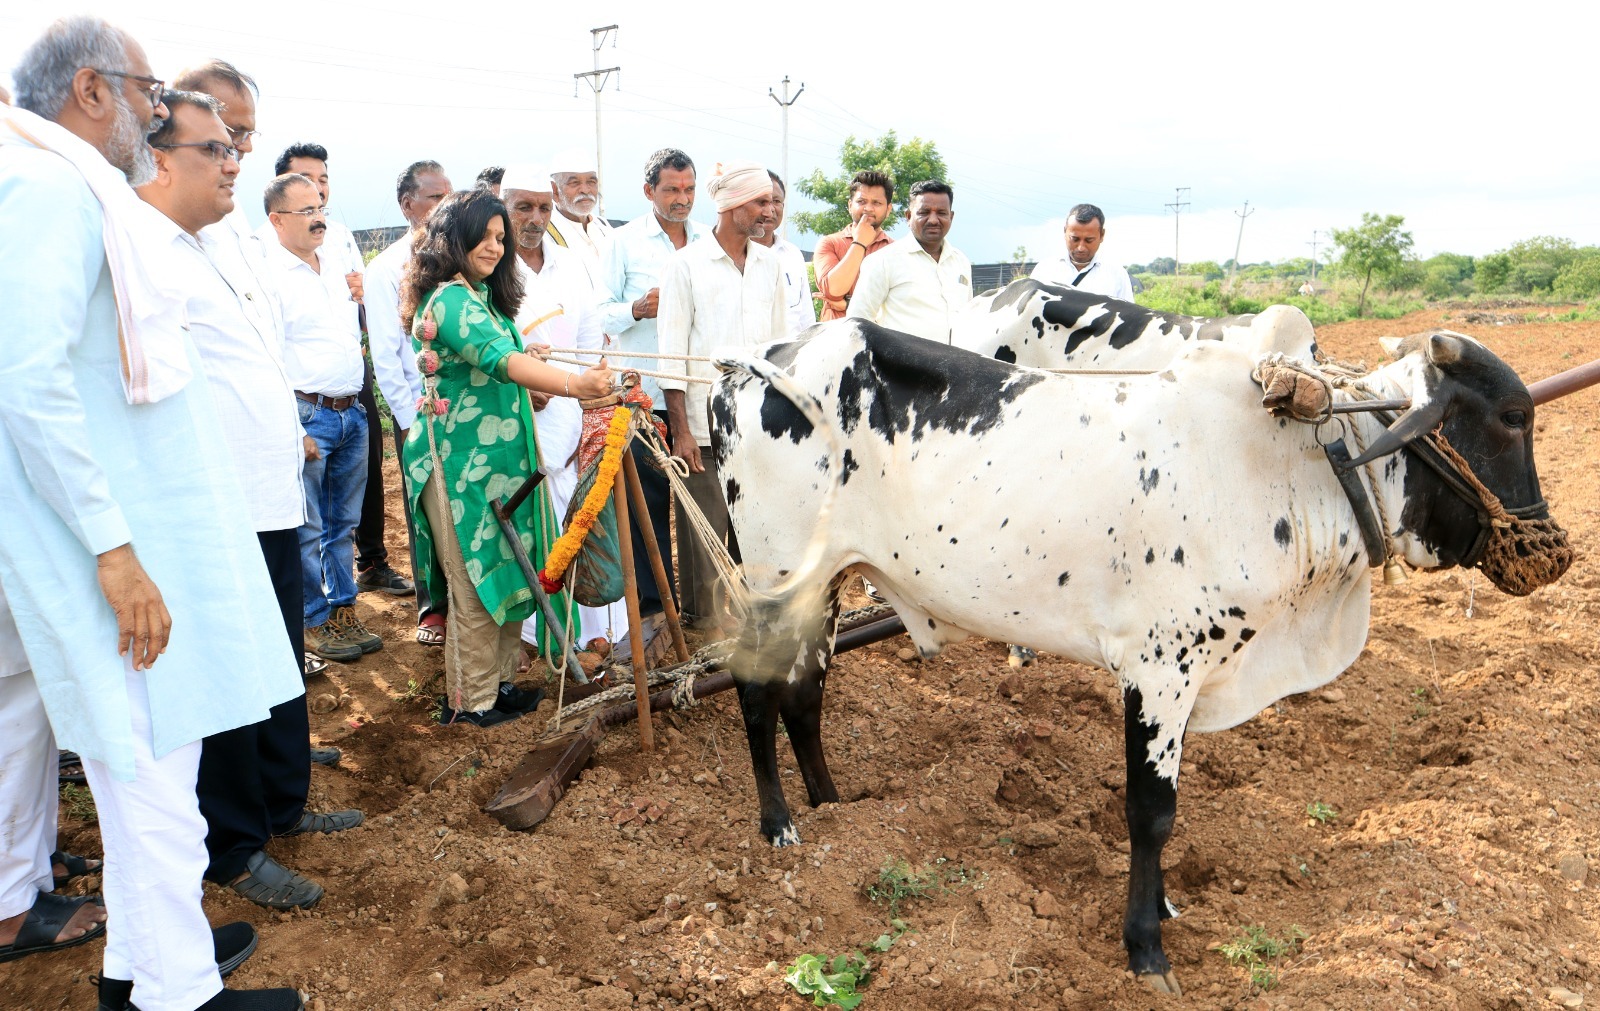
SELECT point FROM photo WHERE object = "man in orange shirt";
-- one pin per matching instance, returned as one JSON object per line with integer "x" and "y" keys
{"x": 838, "y": 257}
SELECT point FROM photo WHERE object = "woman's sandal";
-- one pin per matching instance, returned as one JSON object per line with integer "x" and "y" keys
{"x": 76, "y": 867}
{"x": 430, "y": 631}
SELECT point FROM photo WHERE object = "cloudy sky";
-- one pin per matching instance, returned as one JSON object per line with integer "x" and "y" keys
{"x": 1477, "y": 128}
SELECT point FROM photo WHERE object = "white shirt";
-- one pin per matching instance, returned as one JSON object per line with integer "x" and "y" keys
{"x": 231, "y": 323}
{"x": 13, "y": 658}
{"x": 1101, "y": 278}
{"x": 630, "y": 267}
{"x": 558, "y": 309}
{"x": 321, "y": 328}
{"x": 586, "y": 242}
{"x": 708, "y": 305}
{"x": 796, "y": 285}
{"x": 394, "y": 359}
{"x": 903, "y": 288}
{"x": 339, "y": 248}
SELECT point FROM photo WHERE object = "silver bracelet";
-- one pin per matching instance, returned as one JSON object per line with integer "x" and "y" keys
{"x": 568, "y": 388}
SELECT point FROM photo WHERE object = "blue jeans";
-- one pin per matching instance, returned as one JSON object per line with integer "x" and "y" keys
{"x": 334, "y": 486}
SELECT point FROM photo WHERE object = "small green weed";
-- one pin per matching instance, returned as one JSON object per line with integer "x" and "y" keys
{"x": 899, "y": 928}
{"x": 898, "y": 882}
{"x": 830, "y": 982}
{"x": 1321, "y": 811}
{"x": 1256, "y": 949}
{"x": 78, "y": 801}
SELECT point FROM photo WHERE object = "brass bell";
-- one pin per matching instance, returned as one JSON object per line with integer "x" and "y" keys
{"x": 1393, "y": 573}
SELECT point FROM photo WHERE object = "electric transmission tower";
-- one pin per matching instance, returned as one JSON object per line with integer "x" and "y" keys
{"x": 1177, "y": 206}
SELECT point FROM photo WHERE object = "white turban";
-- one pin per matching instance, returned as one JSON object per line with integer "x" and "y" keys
{"x": 738, "y": 182}
{"x": 526, "y": 177}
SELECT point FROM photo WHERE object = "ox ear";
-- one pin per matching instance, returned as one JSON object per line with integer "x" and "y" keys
{"x": 1445, "y": 348}
{"x": 1391, "y": 347}
{"x": 1417, "y": 421}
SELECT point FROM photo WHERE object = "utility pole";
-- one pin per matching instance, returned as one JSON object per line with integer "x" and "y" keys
{"x": 1177, "y": 206}
{"x": 1242, "y": 215}
{"x": 784, "y": 103}
{"x": 1313, "y": 245}
{"x": 598, "y": 78}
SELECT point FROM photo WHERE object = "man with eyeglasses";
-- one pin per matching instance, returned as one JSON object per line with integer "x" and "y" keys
{"x": 322, "y": 350}
{"x": 254, "y": 779}
{"x": 123, "y": 547}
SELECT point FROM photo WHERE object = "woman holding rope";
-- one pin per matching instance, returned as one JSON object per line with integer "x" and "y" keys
{"x": 475, "y": 442}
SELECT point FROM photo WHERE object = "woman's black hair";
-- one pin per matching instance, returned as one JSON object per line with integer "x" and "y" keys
{"x": 454, "y": 230}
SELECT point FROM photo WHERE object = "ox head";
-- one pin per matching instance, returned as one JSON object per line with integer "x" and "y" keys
{"x": 1475, "y": 499}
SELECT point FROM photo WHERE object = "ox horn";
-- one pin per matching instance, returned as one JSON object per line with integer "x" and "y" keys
{"x": 1418, "y": 421}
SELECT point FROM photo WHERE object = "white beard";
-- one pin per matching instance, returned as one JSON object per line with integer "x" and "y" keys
{"x": 127, "y": 148}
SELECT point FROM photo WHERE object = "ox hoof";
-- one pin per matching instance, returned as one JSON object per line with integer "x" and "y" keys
{"x": 1162, "y": 982}
{"x": 785, "y": 836}
{"x": 1021, "y": 656}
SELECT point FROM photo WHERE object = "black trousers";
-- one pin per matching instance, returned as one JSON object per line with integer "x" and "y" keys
{"x": 370, "y": 549}
{"x": 254, "y": 780}
{"x": 426, "y": 605}
{"x": 658, "y": 497}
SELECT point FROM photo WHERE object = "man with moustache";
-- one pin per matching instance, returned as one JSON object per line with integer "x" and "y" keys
{"x": 838, "y": 257}
{"x": 340, "y": 254}
{"x": 630, "y": 281}
{"x": 1082, "y": 267}
{"x": 918, "y": 287}
{"x": 577, "y": 224}
{"x": 557, "y": 311}
{"x": 322, "y": 351}
{"x": 725, "y": 292}
{"x": 394, "y": 362}
{"x": 253, "y": 780}
{"x": 796, "y": 286}
{"x": 123, "y": 547}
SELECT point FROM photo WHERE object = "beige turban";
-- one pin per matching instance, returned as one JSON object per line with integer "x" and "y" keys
{"x": 738, "y": 182}
{"x": 535, "y": 178}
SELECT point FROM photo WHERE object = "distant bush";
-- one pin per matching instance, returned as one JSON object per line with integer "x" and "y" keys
{"x": 1580, "y": 279}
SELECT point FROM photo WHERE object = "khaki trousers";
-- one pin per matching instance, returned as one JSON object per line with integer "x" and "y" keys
{"x": 698, "y": 582}
{"x": 479, "y": 653}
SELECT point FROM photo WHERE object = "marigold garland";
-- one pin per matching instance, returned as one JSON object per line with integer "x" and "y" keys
{"x": 551, "y": 577}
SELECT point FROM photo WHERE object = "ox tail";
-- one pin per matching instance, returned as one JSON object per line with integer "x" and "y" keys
{"x": 780, "y": 621}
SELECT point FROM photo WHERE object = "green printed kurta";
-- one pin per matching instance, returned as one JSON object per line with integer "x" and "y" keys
{"x": 486, "y": 447}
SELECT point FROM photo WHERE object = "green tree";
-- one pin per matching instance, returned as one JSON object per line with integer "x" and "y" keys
{"x": 1377, "y": 247}
{"x": 1580, "y": 279}
{"x": 907, "y": 163}
{"x": 1527, "y": 267}
{"x": 1209, "y": 270}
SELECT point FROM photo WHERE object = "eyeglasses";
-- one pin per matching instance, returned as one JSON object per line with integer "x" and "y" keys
{"x": 240, "y": 135}
{"x": 154, "y": 86}
{"x": 308, "y": 212}
{"x": 219, "y": 151}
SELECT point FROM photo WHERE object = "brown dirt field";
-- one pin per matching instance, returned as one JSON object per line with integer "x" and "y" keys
{"x": 1459, "y": 753}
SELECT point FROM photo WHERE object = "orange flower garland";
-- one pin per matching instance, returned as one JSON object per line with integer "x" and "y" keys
{"x": 566, "y": 547}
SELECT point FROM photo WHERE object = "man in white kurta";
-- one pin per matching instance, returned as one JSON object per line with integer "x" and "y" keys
{"x": 1082, "y": 267}
{"x": 796, "y": 279}
{"x": 558, "y": 310}
{"x": 725, "y": 291}
{"x": 577, "y": 223}
{"x": 125, "y": 526}
{"x": 394, "y": 362}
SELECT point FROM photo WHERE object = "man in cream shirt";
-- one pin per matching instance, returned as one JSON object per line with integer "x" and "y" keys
{"x": 577, "y": 224}
{"x": 724, "y": 290}
{"x": 917, "y": 287}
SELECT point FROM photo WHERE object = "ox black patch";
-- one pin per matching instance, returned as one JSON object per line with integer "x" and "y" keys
{"x": 731, "y": 491}
{"x": 1005, "y": 354}
{"x": 1177, "y": 556}
{"x": 918, "y": 384}
{"x": 1148, "y": 484}
{"x": 850, "y": 466}
{"x": 1063, "y": 579}
{"x": 781, "y": 418}
{"x": 1149, "y": 555}
{"x": 1281, "y": 533}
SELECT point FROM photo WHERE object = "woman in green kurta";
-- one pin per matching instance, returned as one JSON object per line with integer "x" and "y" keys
{"x": 474, "y": 442}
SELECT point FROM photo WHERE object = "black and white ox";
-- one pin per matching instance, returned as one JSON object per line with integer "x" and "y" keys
{"x": 1161, "y": 527}
{"x": 1046, "y": 326}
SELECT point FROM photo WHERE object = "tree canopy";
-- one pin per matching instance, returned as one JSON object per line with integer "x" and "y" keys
{"x": 907, "y": 163}
{"x": 1377, "y": 247}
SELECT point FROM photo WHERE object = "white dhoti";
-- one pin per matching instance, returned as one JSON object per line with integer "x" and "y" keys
{"x": 28, "y": 796}
{"x": 156, "y": 933}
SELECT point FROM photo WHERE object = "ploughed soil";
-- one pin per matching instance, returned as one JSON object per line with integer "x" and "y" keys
{"x": 1454, "y": 768}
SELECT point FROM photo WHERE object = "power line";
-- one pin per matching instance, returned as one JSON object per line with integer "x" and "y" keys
{"x": 597, "y": 80}
{"x": 784, "y": 103}
{"x": 1177, "y": 206}
{"x": 1242, "y": 215}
